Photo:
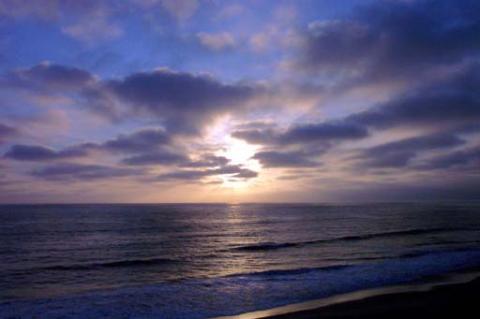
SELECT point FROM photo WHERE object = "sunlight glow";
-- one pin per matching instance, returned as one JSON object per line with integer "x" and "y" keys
{"x": 239, "y": 153}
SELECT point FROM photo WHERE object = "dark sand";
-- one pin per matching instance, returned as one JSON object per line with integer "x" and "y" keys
{"x": 450, "y": 301}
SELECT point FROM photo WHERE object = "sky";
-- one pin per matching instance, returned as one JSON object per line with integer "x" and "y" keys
{"x": 239, "y": 101}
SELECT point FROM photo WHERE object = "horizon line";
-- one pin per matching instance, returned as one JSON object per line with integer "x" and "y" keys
{"x": 250, "y": 203}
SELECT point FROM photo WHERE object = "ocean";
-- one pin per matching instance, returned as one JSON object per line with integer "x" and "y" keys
{"x": 209, "y": 260}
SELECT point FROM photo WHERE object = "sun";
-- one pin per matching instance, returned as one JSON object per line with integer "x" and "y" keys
{"x": 239, "y": 153}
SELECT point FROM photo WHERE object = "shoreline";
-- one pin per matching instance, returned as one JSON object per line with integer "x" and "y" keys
{"x": 372, "y": 302}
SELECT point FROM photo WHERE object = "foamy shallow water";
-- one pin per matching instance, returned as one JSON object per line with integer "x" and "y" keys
{"x": 241, "y": 293}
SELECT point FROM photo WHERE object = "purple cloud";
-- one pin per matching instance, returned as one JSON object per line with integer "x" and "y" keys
{"x": 22, "y": 152}
{"x": 83, "y": 172}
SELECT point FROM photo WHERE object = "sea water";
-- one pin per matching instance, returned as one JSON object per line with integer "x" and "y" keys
{"x": 207, "y": 260}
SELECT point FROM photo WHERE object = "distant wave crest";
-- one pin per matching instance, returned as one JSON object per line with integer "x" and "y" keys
{"x": 409, "y": 232}
{"x": 114, "y": 264}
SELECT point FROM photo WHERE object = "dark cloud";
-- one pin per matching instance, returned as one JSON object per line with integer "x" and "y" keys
{"x": 155, "y": 147}
{"x": 145, "y": 147}
{"x": 331, "y": 131}
{"x": 244, "y": 174}
{"x": 48, "y": 76}
{"x": 312, "y": 139}
{"x": 207, "y": 161}
{"x": 144, "y": 141}
{"x": 99, "y": 101}
{"x": 306, "y": 133}
{"x": 258, "y": 136}
{"x": 168, "y": 157}
{"x": 427, "y": 188}
{"x": 140, "y": 141}
{"x": 285, "y": 159}
{"x": 22, "y": 152}
{"x": 233, "y": 171}
{"x": 156, "y": 158}
{"x": 468, "y": 159}
{"x": 446, "y": 107}
{"x": 6, "y": 131}
{"x": 388, "y": 40}
{"x": 255, "y": 125}
{"x": 69, "y": 171}
{"x": 451, "y": 102}
{"x": 399, "y": 153}
{"x": 183, "y": 175}
{"x": 183, "y": 100}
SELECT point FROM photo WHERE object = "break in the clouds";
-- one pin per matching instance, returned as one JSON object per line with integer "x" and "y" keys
{"x": 196, "y": 100}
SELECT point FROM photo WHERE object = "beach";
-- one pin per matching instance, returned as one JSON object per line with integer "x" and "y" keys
{"x": 449, "y": 301}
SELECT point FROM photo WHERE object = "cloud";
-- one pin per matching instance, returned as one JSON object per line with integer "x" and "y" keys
{"x": 271, "y": 159}
{"x": 444, "y": 107}
{"x": 464, "y": 159}
{"x": 155, "y": 158}
{"x": 85, "y": 20}
{"x": 448, "y": 104}
{"x": 400, "y": 153}
{"x": 140, "y": 141}
{"x": 324, "y": 132}
{"x": 231, "y": 10}
{"x": 304, "y": 133}
{"x": 301, "y": 144}
{"x": 183, "y": 175}
{"x": 182, "y": 102}
{"x": 216, "y": 41}
{"x": 233, "y": 171}
{"x": 6, "y": 131}
{"x": 170, "y": 156}
{"x": 392, "y": 40}
{"x": 207, "y": 161}
{"x": 97, "y": 28}
{"x": 180, "y": 9}
{"x": 46, "y": 10}
{"x": 185, "y": 101}
{"x": 454, "y": 101}
{"x": 442, "y": 187}
{"x": 48, "y": 76}
{"x": 151, "y": 147}
{"x": 145, "y": 147}
{"x": 22, "y": 152}
{"x": 85, "y": 172}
